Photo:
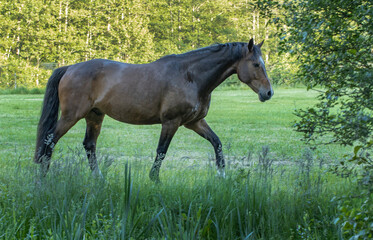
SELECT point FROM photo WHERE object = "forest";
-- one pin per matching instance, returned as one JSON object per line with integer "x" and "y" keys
{"x": 37, "y": 37}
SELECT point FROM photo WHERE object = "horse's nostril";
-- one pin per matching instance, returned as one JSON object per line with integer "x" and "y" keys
{"x": 269, "y": 94}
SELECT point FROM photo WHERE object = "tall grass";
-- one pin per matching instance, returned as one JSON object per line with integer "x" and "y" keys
{"x": 283, "y": 191}
{"x": 269, "y": 200}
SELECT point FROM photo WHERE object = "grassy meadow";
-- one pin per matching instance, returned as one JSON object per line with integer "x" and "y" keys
{"x": 276, "y": 187}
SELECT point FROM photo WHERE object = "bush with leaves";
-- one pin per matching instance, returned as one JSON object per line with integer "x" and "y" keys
{"x": 333, "y": 44}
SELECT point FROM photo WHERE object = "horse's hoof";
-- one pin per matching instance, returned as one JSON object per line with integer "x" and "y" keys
{"x": 43, "y": 170}
{"x": 220, "y": 173}
{"x": 154, "y": 176}
{"x": 155, "y": 179}
{"x": 97, "y": 174}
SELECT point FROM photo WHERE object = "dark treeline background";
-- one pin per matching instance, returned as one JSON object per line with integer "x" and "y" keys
{"x": 37, "y": 36}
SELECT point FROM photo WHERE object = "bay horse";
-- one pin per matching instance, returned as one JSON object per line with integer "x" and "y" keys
{"x": 172, "y": 91}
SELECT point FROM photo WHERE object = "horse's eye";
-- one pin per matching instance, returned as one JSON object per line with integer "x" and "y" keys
{"x": 256, "y": 64}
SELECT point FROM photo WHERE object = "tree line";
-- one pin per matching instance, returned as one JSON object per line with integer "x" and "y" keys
{"x": 38, "y": 36}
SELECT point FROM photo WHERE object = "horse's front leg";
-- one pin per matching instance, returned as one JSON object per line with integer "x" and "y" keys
{"x": 203, "y": 129}
{"x": 169, "y": 129}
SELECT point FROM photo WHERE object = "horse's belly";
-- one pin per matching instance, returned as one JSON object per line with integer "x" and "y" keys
{"x": 130, "y": 102}
{"x": 131, "y": 113}
{"x": 134, "y": 118}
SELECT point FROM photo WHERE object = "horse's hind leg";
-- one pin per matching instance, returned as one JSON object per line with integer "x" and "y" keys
{"x": 63, "y": 125}
{"x": 94, "y": 122}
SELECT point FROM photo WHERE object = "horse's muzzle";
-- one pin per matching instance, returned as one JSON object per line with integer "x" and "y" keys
{"x": 265, "y": 95}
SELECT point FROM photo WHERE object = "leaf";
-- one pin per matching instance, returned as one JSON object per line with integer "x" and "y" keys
{"x": 304, "y": 34}
{"x": 347, "y": 226}
{"x": 352, "y": 51}
{"x": 357, "y": 148}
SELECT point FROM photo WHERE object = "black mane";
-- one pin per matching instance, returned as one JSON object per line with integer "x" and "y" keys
{"x": 234, "y": 49}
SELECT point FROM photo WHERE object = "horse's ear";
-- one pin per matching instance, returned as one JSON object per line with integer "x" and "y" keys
{"x": 251, "y": 45}
{"x": 260, "y": 44}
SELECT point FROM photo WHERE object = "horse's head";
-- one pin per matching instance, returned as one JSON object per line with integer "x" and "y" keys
{"x": 251, "y": 71}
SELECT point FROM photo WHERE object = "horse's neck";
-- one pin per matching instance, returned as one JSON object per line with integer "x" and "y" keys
{"x": 214, "y": 81}
{"x": 210, "y": 74}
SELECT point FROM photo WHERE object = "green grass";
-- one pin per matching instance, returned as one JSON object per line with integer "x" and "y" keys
{"x": 281, "y": 193}
{"x": 22, "y": 90}
{"x": 242, "y": 122}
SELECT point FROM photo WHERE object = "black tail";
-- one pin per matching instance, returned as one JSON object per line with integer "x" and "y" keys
{"x": 49, "y": 114}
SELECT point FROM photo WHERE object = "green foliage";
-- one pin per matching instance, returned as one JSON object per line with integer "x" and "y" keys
{"x": 18, "y": 73}
{"x": 22, "y": 90}
{"x": 38, "y": 36}
{"x": 284, "y": 72}
{"x": 332, "y": 42}
{"x": 355, "y": 216}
